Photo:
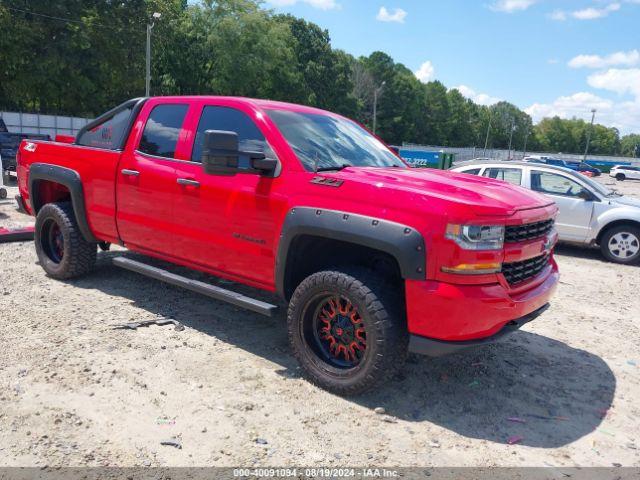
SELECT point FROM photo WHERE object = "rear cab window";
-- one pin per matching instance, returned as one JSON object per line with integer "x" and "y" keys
{"x": 162, "y": 130}
{"x": 108, "y": 134}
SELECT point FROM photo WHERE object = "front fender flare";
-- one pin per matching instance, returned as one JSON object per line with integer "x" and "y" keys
{"x": 402, "y": 242}
{"x": 70, "y": 179}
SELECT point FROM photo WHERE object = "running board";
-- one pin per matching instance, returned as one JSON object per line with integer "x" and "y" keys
{"x": 211, "y": 291}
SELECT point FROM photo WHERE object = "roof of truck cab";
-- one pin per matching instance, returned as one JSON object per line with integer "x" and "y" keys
{"x": 257, "y": 102}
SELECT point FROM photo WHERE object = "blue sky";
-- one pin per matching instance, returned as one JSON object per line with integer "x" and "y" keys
{"x": 549, "y": 57}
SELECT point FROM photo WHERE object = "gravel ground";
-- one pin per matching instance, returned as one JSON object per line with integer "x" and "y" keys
{"x": 75, "y": 391}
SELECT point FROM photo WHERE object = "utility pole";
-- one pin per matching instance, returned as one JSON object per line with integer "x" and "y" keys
{"x": 513, "y": 126}
{"x": 486, "y": 140}
{"x": 147, "y": 89}
{"x": 526, "y": 136}
{"x": 376, "y": 92}
{"x": 586, "y": 150}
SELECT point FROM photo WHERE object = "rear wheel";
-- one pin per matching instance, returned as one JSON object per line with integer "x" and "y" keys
{"x": 620, "y": 176}
{"x": 3, "y": 193}
{"x": 62, "y": 250}
{"x": 347, "y": 330}
{"x": 621, "y": 244}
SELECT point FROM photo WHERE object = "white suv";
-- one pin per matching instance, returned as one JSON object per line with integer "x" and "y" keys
{"x": 624, "y": 172}
{"x": 589, "y": 213}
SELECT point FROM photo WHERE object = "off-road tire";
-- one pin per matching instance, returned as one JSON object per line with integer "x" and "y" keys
{"x": 381, "y": 308}
{"x": 79, "y": 256}
{"x": 609, "y": 234}
{"x": 620, "y": 177}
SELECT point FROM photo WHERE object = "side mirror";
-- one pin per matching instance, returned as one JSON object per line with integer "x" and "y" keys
{"x": 221, "y": 156}
{"x": 585, "y": 195}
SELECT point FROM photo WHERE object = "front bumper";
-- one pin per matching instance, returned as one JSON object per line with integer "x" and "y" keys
{"x": 439, "y": 348}
{"x": 447, "y": 312}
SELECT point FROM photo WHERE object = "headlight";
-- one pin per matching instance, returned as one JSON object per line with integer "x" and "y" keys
{"x": 477, "y": 237}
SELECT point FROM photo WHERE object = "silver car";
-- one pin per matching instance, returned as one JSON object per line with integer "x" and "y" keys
{"x": 590, "y": 214}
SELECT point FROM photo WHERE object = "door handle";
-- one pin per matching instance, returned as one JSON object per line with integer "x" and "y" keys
{"x": 188, "y": 182}
{"x": 130, "y": 173}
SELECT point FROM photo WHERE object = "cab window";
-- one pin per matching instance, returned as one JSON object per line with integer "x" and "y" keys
{"x": 554, "y": 184}
{"x": 108, "y": 134}
{"x": 511, "y": 175}
{"x": 161, "y": 133}
{"x": 250, "y": 139}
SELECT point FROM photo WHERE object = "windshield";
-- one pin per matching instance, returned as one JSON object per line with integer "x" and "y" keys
{"x": 322, "y": 142}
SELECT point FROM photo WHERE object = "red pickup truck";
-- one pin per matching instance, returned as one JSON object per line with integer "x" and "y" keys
{"x": 374, "y": 258}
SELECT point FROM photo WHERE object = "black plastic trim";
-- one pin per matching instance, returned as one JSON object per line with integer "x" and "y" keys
{"x": 438, "y": 348}
{"x": 137, "y": 103}
{"x": 70, "y": 179}
{"x": 403, "y": 243}
{"x": 211, "y": 291}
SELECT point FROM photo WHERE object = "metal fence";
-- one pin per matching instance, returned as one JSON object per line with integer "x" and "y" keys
{"x": 463, "y": 154}
{"x": 52, "y": 125}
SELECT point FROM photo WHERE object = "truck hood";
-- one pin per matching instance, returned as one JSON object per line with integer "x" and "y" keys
{"x": 485, "y": 196}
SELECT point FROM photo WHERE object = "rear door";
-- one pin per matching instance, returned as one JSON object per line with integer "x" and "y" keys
{"x": 574, "y": 216}
{"x": 146, "y": 180}
{"x": 227, "y": 223}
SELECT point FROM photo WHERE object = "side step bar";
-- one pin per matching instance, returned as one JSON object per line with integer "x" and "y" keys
{"x": 212, "y": 291}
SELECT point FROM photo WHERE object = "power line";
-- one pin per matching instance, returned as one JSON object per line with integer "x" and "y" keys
{"x": 61, "y": 19}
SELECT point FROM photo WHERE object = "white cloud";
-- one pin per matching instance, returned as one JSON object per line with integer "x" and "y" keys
{"x": 625, "y": 116}
{"x": 510, "y": 6}
{"x": 590, "y": 13}
{"x": 425, "y": 72}
{"x": 398, "y": 15}
{"x": 627, "y": 59}
{"x": 479, "y": 98}
{"x": 321, "y": 4}
{"x": 618, "y": 80}
{"x": 558, "y": 15}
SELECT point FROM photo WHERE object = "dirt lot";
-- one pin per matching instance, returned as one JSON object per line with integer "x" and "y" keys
{"x": 75, "y": 391}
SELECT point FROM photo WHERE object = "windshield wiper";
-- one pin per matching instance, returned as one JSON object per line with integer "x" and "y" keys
{"x": 336, "y": 168}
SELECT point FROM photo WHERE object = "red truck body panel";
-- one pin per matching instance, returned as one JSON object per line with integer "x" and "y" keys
{"x": 231, "y": 226}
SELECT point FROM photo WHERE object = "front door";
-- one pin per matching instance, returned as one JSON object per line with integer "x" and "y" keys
{"x": 228, "y": 223}
{"x": 574, "y": 216}
{"x": 146, "y": 182}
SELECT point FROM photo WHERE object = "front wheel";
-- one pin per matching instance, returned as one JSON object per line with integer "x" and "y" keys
{"x": 620, "y": 176}
{"x": 621, "y": 244}
{"x": 347, "y": 330}
{"x": 62, "y": 250}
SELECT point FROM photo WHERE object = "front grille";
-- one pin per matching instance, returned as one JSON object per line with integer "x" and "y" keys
{"x": 518, "y": 272}
{"x": 530, "y": 231}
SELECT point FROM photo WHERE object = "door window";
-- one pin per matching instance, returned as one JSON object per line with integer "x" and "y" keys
{"x": 473, "y": 171}
{"x": 250, "y": 139}
{"x": 511, "y": 175}
{"x": 553, "y": 184}
{"x": 162, "y": 130}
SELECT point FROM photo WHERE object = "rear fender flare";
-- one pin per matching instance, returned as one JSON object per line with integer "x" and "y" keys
{"x": 70, "y": 179}
{"x": 402, "y": 242}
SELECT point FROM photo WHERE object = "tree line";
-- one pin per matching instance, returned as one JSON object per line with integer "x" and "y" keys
{"x": 82, "y": 57}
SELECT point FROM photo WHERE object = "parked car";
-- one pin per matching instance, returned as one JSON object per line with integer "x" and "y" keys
{"x": 583, "y": 167}
{"x": 374, "y": 258}
{"x": 9, "y": 143}
{"x": 590, "y": 213}
{"x": 624, "y": 172}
